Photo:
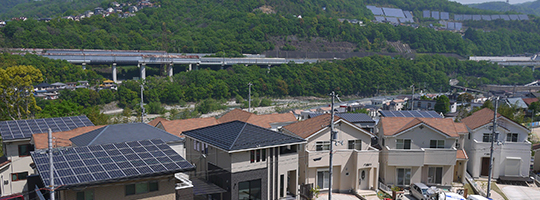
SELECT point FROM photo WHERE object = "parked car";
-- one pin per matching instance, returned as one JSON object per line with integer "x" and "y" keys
{"x": 421, "y": 191}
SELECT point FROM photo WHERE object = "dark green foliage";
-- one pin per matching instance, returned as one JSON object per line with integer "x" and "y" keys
{"x": 155, "y": 108}
{"x": 265, "y": 102}
{"x": 532, "y": 7}
{"x": 442, "y": 105}
{"x": 44, "y": 8}
{"x": 209, "y": 105}
{"x": 65, "y": 108}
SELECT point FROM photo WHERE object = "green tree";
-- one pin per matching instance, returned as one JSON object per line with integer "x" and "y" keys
{"x": 16, "y": 98}
{"x": 443, "y": 104}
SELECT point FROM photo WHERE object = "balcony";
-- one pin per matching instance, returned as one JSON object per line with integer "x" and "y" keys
{"x": 363, "y": 158}
{"x": 420, "y": 157}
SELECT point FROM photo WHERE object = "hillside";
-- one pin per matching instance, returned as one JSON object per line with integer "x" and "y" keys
{"x": 531, "y": 8}
{"x": 45, "y": 8}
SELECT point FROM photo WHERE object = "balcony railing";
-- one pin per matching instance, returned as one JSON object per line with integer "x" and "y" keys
{"x": 420, "y": 157}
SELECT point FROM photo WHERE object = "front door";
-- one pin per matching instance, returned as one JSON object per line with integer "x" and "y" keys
{"x": 363, "y": 179}
{"x": 485, "y": 167}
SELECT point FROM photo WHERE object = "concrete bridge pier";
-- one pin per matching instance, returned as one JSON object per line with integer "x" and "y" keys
{"x": 143, "y": 70}
{"x": 114, "y": 72}
{"x": 83, "y": 66}
{"x": 268, "y": 67}
{"x": 170, "y": 70}
{"x": 197, "y": 67}
{"x": 189, "y": 68}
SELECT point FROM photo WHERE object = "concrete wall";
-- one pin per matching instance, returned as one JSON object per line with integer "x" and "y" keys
{"x": 18, "y": 164}
{"x": 116, "y": 191}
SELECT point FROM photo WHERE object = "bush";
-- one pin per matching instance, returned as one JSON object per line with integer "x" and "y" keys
{"x": 154, "y": 108}
{"x": 209, "y": 105}
{"x": 265, "y": 102}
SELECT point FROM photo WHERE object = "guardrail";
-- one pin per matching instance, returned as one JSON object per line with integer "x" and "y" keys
{"x": 384, "y": 187}
{"x": 473, "y": 184}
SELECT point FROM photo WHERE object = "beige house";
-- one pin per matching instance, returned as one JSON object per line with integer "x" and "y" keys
{"x": 355, "y": 162}
{"x": 426, "y": 150}
{"x": 512, "y": 151}
{"x": 245, "y": 161}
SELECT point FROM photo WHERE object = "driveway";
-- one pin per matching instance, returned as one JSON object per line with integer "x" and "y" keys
{"x": 520, "y": 192}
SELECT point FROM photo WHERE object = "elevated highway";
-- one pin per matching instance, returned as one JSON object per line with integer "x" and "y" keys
{"x": 142, "y": 58}
{"x": 524, "y": 61}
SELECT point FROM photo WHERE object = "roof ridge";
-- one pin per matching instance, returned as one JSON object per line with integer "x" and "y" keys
{"x": 95, "y": 138}
{"x": 238, "y": 136}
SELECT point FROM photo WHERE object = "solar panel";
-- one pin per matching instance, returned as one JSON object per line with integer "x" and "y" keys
{"x": 458, "y": 26}
{"x": 445, "y": 15}
{"x": 90, "y": 164}
{"x": 451, "y": 26}
{"x": 408, "y": 14}
{"x": 476, "y": 17}
{"x": 467, "y": 17}
{"x": 410, "y": 113}
{"x": 380, "y": 19}
{"x": 494, "y": 17}
{"x": 22, "y": 129}
{"x": 392, "y": 20}
{"x": 435, "y": 14}
{"x": 426, "y": 14}
{"x": 505, "y": 17}
{"x": 513, "y": 17}
{"x": 486, "y": 17}
{"x": 393, "y": 12}
{"x": 375, "y": 10}
{"x": 523, "y": 17}
{"x": 406, "y": 20}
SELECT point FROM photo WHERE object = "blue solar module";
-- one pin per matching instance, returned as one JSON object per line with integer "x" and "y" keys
{"x": 435, "y": 14}
{"x": 410, "y": 113}
{"x": 445, "y": 15}
{"x": 467, "y": 17}
{"x": 380, "y": 19}
{"x": 459, "y": 26}
{"x": 426, "y": 14}
{"x": 393, "y": 12}
{"x": 23, "y": 129}
{"x": 451, "y": 26}
{"x": 477, "y": 17}
{"x": 89, "y": 165}
{"x": 494, "y": 17}
{"x": 513, "y": 17}
{"x": 406, "y": 20}
{"x": 505, "y": 17}
{"x": 375, "y": 10}
{"x": 486, "y": 17}
{"x": 392, "y": 20}
{"x": 523, "y": 17}
{"x": 408, "y": 14}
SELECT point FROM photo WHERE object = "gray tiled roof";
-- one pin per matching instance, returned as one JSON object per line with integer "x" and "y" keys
{"x": 238, "y": 135}
{"x": 123, "y": 133}
{"x": 350, "y": 117}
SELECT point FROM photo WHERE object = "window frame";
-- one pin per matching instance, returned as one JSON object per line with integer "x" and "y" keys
{"x": 84, "y": 193}
{"x": 437, "y": 144}
{"x": 490, "y": 135}
{"x": 355, "y": 144}
{"x": 435, "y": 178}
{"x": 322, "y": 145}
{"x": 29, "y": 148}
{"x": 136, "y": 192}
{"x": 510, "y": 137}
{"x": 325, "y": 175}
{"x": 19, "y": 175}
{"x": 252, "y": 187}
{"x": 403, "y": 142}
{"x": 404, "y": 176}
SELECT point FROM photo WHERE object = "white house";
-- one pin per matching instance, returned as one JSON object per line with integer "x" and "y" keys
{"x": 512, "y": 151}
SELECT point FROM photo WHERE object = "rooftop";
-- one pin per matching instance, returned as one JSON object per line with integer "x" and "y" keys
{"x": 61, "y": 139}
{"x": 308, "y": 127}
{"x": 258, "y": 120}
{"x": 395, "y": 125}
{"x": 23, "y": 129}
{"x": 122, "y": 133}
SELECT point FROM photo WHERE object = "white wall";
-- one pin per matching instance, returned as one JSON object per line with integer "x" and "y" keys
{"x": 18, "y": 164}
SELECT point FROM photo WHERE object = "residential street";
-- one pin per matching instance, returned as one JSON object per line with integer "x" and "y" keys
{"x": 520, "y": 192}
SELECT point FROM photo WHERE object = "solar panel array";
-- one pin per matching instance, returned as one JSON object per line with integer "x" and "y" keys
{"x": 393, "y": 12}
{"x": 426, "y": 14}
{"x": 523, "y": 17}
{"x": 380, "y": 19}
{"x": 408, "y": 14}
{"x": 435, "y": 14}
{"x": 21, "y": 129}
{"x": 486, "y": 17}
{"x": 476, "y": 17}
{"x": 505, "y": 17}
{"x": 392, "y": 20}
{"x": 392, "y": 15}
{"x": 513, "y": 17}
{"x": 375, "y": 10}
{"x": 410, "y": 113}
{"x": 495, "y": 17}
{"x": 445, "y": 15}
{"x": 458, "y": 26}
{"x": 489, "y": 17}
{"x": 99, "y": 163}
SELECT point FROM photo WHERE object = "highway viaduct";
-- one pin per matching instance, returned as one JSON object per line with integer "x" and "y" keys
{"x": 142, "y": 58}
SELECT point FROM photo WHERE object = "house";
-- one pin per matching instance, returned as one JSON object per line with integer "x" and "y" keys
{"x": 58, "y": 85}
{"x": 43, "y": 87}
{"x": 128, "y": 132}
{"x": 359, "y": 119}
{"x": 512, "y": 152}
{"x": 396, "y": 104}
{"x": 16, "y": 137}
{"x": 529, "y": 101}
{"x": 177, "y": 127}
{"x": 145, "y": 169}
{"x": 61, "y": 139}
{"x": 536, "y": 163}
{"x": 245, "y": 160}
{"x": 427, "y": 150}
{"x": 270, "y": 121}
{"x": 518, "y": 102}
{"x": 355, "y": 163}
{"x": 424, "y": 104}
{"x": 410, "y": 113}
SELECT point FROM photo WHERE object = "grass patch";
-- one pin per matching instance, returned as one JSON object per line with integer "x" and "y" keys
{"x": 470, "y": 189}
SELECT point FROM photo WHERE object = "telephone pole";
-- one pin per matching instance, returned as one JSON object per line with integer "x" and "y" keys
{"x": 51, "y": 171}
{"x": 332, "y": 137}
{"x": 142, "y": 106}
{"x": 249, "y": 97}
{"x": 493, "y": 132}
{"x": 412, "y": 97}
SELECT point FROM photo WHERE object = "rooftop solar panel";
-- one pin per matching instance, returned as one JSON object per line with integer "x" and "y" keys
{"x": 410, "y": 113}
{"x": 458, "y": 17}
{"x": 458, "y": 26}
{"x": 23, "y": 129}
{"x": 523, "y": 17}
{"x": 494, "y": 17}
{"x": 74, "y": 168}
{"x": 445, "y": 15}
{"x": 375, "y": 10}
{"x": 426, "y": 14}
{"x": 513, "y": 17}
{"x": 505, "y": 17}
{"x": 380, "y": 19}
{"x": 435, "y": 14}
{"x": 392, "y": 20}
{"x": 408, "y": 14}
{"x": 393, "y": 12}
{"x": 486, "y": 17}
{"x": 451, "y": 26}
{"x": 476, "y": 17}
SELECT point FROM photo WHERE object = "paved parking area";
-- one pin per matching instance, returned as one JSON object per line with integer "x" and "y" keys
{"x": 337, "y": 196}
{"x": 520, "y": 192}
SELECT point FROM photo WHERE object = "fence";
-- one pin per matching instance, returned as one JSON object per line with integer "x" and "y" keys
{"x": 473, "y": 184}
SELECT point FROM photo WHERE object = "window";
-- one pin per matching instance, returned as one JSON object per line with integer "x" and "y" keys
{"x": 281, "y": 185}
{"x": 435, "y": 175}
{"x": 258, "y": 155}
{"x": 322, "y": 146}
{"x": 287, "y": 149}
{"x": 457, "y": 144}
{"x": 511, "y": 137}
{"x": 404, "y": 176}
{"x": 85, "y": 195}
{"x": 419, "y": 105}
{"x": 141, "y": 188}
{"x": 436, "y": 144}
{"x": 19, "y": 176}
{"x": 252, "y": 156}
{"x": 428, "y": 105}
{"x": 24, "y": 149}
{"x": 355, "y": 144}
{"x": 403, "y": 144}
{"x": 323, "y": 179}
{"x": 263, "y": 155}
{"x": 249, "y": 190}
{"x": 487, "y": 137}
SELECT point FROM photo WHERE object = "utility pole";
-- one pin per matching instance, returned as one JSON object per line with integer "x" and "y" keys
{"x": 332, "y": 137}
{"x": 51, "y": 171}
{"x": 412, "y": 97}
{"x": 493, "y": 132}
{"x": 249, "y": 97}
{"x": 142, "y": 106}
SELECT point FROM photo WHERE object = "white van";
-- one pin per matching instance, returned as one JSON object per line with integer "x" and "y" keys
{"x": 476, "y": 197}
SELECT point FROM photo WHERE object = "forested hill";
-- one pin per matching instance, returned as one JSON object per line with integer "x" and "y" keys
{"x": 45, "y": 8}
{"x": 250, "y": 26}
{"x": 531, "y": 8}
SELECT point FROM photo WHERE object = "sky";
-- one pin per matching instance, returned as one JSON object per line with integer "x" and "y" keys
{"x": 483, "y": 1}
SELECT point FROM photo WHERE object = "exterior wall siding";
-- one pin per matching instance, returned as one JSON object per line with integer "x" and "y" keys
{"x": 248, "y": 176}
{"x": 18, "y": 164}
{"x": 117, "y": 191}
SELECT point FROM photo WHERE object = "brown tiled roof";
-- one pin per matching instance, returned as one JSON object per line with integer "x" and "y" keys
{"x": 156, "y": 121}
{"x": 536, "y": 146}
{"x": 5, "y": 163}
{"x": 479, "y": 118}
{"x": 176, "y": 127}
{"x": 461, "y": 155}
{"x": 528, "y": 101}
{"x": 310, "y": 126}
{"x": 395, "y": 125}
{"x": 259, "y": 120}
{"x": 61, "y": 138}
